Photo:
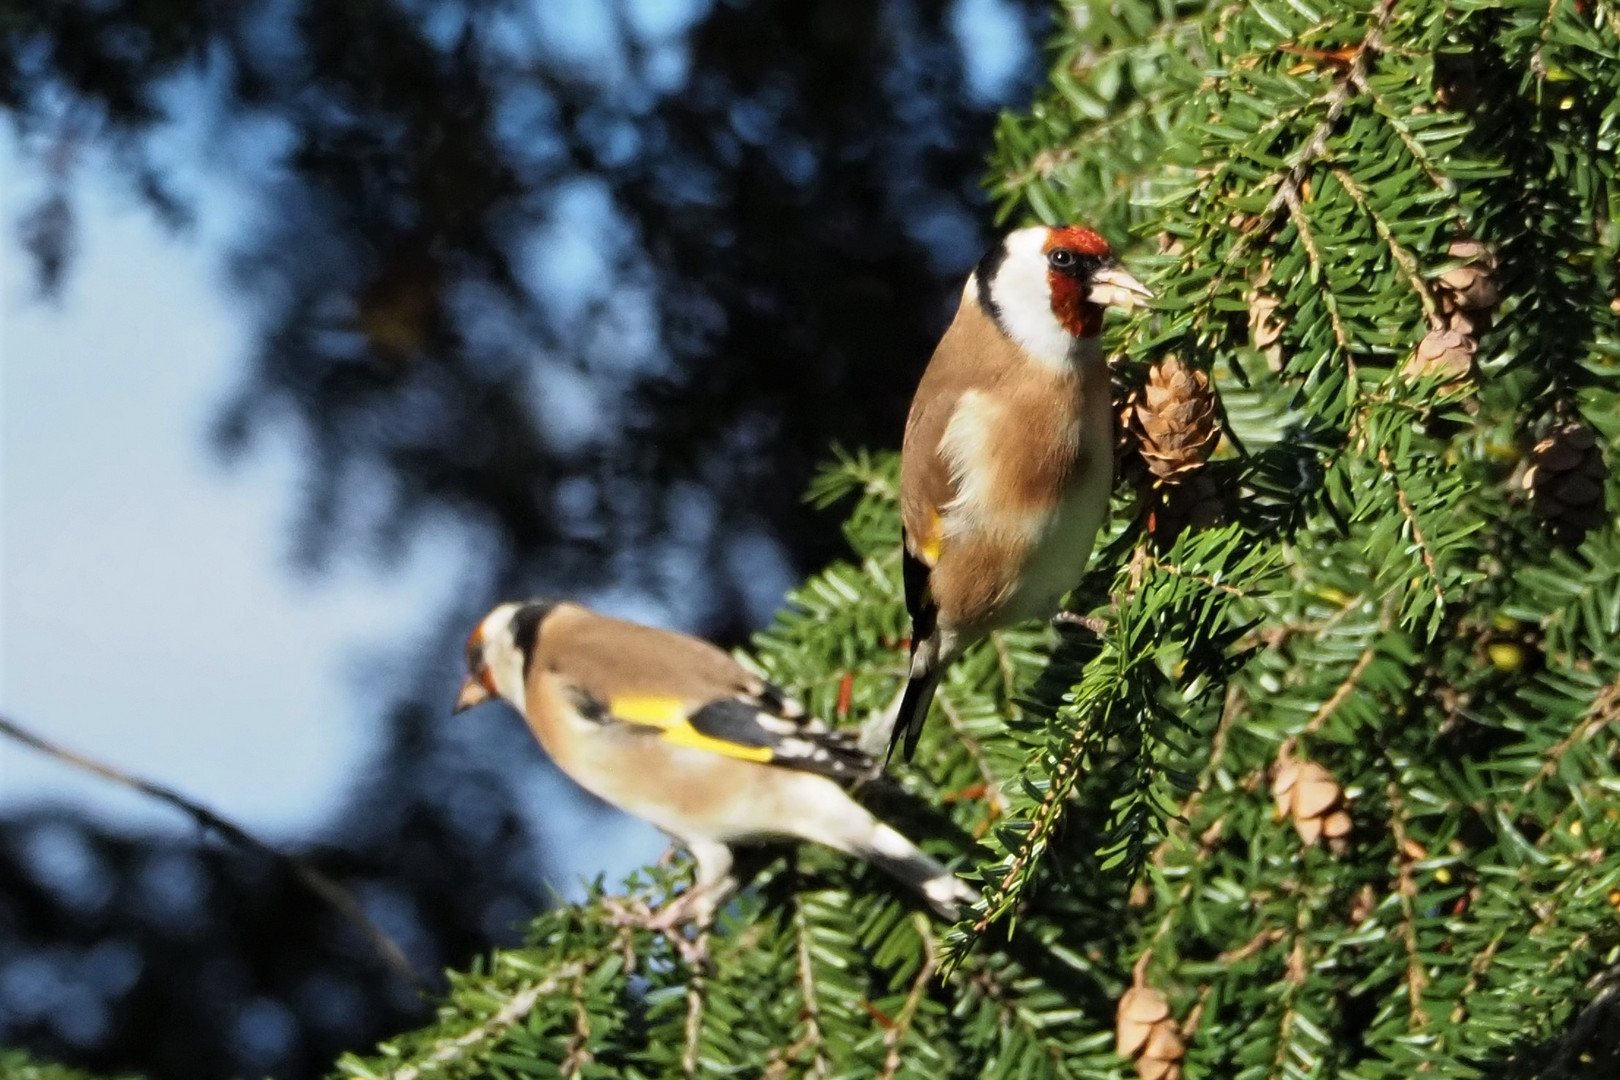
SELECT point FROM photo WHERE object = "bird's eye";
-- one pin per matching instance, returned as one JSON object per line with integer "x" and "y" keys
{"x": 1061, "y": 259}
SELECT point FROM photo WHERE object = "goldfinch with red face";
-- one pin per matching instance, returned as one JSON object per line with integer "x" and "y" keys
{"x": 676, "y": 732}
{"x": 1008, "y": 460}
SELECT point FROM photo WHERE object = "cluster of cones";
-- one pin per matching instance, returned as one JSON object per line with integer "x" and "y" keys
{"x": 1565, "y": 481}
{"x": 1167, "y": 429}
{"x": 1465, "y": 296}
{"x": 1169, "y": 426}
{"x": 1146, "y": 1032}
{"x": 1310, "y": 796}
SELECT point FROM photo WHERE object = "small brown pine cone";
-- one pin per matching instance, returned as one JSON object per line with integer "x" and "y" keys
{"x": 1565, "y": 481}
{"x": 1128, "y": 464}
{"x": 1446, "y": 354}
{"x": 1173, "y": 417}
{"x": 1309, "y": 795}
{"x": 1469, "y": 324}
{"x": 1472, "y": 286}
{"x": 1145, "y": 1031}
{"x": 1265, "y": 328}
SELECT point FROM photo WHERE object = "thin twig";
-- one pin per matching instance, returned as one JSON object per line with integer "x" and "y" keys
{"x": 302, "y": 869}
{"x": 1397, "y": 123}
{"x": 892, "y": 1059}
{"x": 695, "y": 989}
{"x": 1403, "y": 258}
{"x": 1313, "y": 252}
{"x": 1286, "y": 749}
{"x": 1006, "y": 891}
{"x": 517, "y": 1007}
{"x": 1416, "y": 979}
{"x": 812, "y": 1005}
{"x": 1417, "y": 533}
{"x": 1324, "y": 712}
{"x": 1605, "y": 709}
{"x": 1203, "y": 579}
{"x": 579, "y": 1054}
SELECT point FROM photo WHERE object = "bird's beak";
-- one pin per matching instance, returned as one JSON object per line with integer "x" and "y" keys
{"x": 473, "y": 692}
{"x": 1113, "y": 286}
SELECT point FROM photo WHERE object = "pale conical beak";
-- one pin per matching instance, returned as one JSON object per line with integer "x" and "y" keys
{"x": 473, "y": 692}
{"x": 1113, "y": 286}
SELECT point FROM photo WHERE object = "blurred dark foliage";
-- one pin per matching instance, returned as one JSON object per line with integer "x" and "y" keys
{"x": 603, "y": 297}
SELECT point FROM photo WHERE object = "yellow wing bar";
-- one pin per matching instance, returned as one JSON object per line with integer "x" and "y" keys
{"x": 670, "y": 715}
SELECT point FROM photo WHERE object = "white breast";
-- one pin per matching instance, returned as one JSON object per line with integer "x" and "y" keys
{"x": 1058, "y": 558}
{"x": 1063, "y": 541}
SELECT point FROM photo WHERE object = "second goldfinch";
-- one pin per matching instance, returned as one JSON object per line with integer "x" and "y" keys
{"x": 1008, "y": 461}
{"x": 676, "y": 732}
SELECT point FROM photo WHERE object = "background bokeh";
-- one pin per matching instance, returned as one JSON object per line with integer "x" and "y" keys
{"x": 326, "y": 325}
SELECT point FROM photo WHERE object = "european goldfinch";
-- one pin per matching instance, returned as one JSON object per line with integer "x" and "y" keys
{"x": 1007, "y": 462}
{"x": 676, "y": 732}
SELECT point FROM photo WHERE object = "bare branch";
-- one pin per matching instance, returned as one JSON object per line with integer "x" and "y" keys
{"x": 307, "y": 874}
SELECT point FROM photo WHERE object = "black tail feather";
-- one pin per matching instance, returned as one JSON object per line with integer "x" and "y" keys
{"x": 908, "y": 722}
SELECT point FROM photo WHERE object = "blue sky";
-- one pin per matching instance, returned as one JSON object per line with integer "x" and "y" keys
{"x": 147, "y": 611}
{"x": 149, "y": 614}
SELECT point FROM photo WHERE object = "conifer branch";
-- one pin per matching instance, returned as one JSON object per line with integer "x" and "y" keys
{"x": 1391, "y": 116}
{"x": 1000, "y": 897}
{"x": 1295, "y": 971}
{"x": 893, "y": 1036}
{"x": 1417, "y": 979}
{"x": 1330, "y": 299}
{"x": 812, "y": 1038}
{"x": 696, "y": 989}
{"x": 577, "y": 1056}
{"x": 1208, "y": 582}
{"x": 1410, "y": 514}
{"x": 1403, "y": 258}
{"x": 1336, "y": 700}
{"x": 1605, "y": 710}
{"x": 510, "y": 1014}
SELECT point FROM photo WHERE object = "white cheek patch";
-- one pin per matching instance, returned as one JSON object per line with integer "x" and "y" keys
{"x": 501, "y": 656}
{"x": 507, "y": 672}
{"x": 1024, "y": 299}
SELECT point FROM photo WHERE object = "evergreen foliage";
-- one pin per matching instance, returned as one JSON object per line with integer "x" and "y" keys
{"x": 1379, "y": 599}
{"x": 16, "y": 1065}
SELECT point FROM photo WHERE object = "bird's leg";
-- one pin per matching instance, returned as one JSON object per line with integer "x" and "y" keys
{"x": 713, "y": 885}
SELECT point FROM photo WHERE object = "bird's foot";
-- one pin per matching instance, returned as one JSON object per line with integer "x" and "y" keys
{"x": 625, "y": 911}
{"x": 672, "y": 920}
{"x": 669, "y": 921}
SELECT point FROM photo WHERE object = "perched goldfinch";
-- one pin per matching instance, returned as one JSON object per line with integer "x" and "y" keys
{"x": 1008, "y": 460}
{"x": 676, "y": 732}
